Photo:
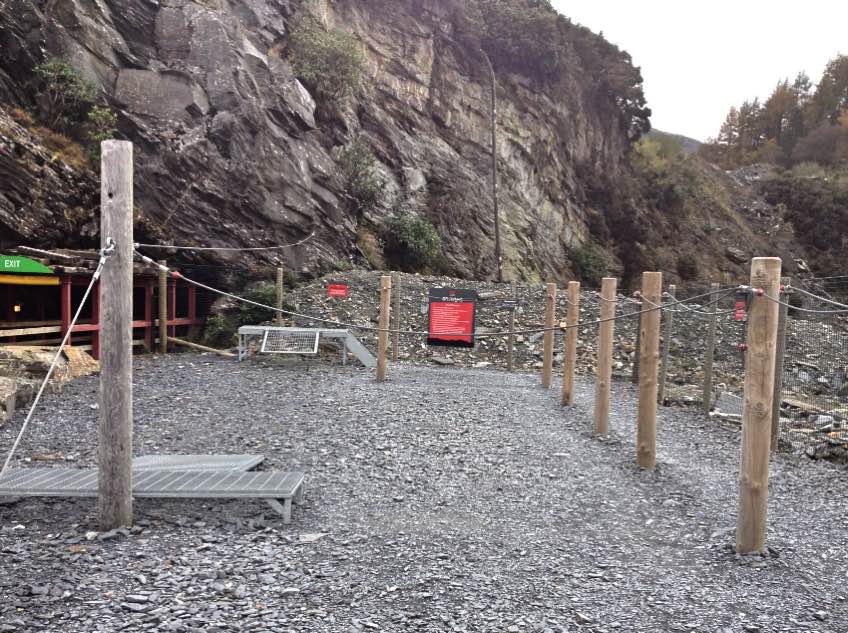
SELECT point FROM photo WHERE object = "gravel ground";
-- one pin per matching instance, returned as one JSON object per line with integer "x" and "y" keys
{"x": 444, "y": 500}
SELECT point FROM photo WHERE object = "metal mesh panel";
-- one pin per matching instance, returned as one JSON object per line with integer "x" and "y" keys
{"x": 290, "y": 342}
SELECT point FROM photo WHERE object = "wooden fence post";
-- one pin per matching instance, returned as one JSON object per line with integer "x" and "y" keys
{"x": 668, "y": 317}
{"x": 751, "y": 520}
{"x": 396, "y": 319}
{"x": 570, "y": 351}
{"x": 780, "y": 354}
{"x": 605, "y": 340}
{"x": 163, "y": 307}
{"x": 646, "y": 436}
{"x": 707, "y": 400}
{"x": 280, "y": 292}
{"x": 548, "y": 347}
{"x": 383, "y": 335}
{"x": 634, "y": 377}
{"x": 114, "y": 451}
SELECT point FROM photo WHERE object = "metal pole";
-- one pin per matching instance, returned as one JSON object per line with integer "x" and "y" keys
{"x": 783, "y": 315}
{"x": 494, "y": 124}
{"x": 280, "y": 291}
{"x": 163, "y": 307}
{"x": 114, "y": 452}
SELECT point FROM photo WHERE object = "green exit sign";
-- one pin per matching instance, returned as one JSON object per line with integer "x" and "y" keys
{"x": 16, "y": 264}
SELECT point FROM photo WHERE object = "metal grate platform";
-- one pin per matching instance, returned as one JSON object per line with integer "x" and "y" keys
{"x": 197, "y": 462}
{"x": 290, "y": 341}
{"x": 154, "y": 483}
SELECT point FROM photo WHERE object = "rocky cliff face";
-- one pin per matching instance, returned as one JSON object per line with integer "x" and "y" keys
{"x": 231, "y": 149}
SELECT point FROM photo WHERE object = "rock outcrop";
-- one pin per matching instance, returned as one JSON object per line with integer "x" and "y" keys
{"x": 231, "y": 148}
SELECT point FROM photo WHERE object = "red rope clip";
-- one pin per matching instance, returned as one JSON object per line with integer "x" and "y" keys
{"x": 743, "y": 347}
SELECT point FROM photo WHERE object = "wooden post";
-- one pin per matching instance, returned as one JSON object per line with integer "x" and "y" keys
{"x": 570, "y": 359}
{"x": 783, "y": 315}
{"x": 396, "y": 319}
{"x": 605, "y": 338}
{"x": 163, "y": 308}
{"x": 280, "y": 291}
{"x": 668, "y": 318}
{"x": 548, "y": 348}
{"x": 116, "y": 295}
{"x": 634, "y": 376}
{"x": 383, "y": 335}
{"x": 707, "y": 400}
{"x": 751, "y": 520}
{"x": 148, "y": 316}
{"x": 510, "y": 341}
{"x": 649, "y": 335}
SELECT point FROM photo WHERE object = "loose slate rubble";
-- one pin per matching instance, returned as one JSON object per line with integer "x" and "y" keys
{"x": 807, "y": 341}
{"x": 448, "y": 499}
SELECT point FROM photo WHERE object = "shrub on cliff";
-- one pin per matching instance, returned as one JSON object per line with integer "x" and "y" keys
{"x": 362, "y": 183}
{"x": 328, "y": 60}
{"x": 100, "y": 126}
{"x": 64, "y": 97}
{"x": 590, "y": 262}
{"x": 412, "y": 242}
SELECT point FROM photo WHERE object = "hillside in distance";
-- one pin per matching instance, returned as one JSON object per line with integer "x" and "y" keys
{"x": 258, "y": 122}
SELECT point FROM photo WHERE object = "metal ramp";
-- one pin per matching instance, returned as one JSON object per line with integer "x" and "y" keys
{"x": 289, "y": 340}
{"x": 197, "y": 462}
{"x": 278, "y": 489}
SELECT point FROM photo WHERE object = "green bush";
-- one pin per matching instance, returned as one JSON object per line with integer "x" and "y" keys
{"x": 100, "y": 126}
{"x": 221, "y": 328}
{"x": 362, "y": 183}
{"x": 64, "y": 97}
{"x": 412, "y": 242}
{"x": 687, "y": 267}
{"x": 330, "y": 61}
{"x": 590, "y": 262}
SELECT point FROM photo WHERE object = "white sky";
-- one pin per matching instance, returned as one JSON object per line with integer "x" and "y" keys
{"x": 699, "y": 57}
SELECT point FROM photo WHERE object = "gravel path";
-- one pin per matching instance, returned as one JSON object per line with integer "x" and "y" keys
{"x": 443, "y": 500}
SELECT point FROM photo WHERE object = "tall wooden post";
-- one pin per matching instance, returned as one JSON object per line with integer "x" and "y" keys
{"x": 649, "y": 337}
{"x": 280, "y": 291}
{"x": 634, "y": 376}
{"x": 751, "y": 520}
{"x": 783, "y": 315}
{"x": 396, "y": 320}
{"x": 570, "y": 360}
{"x": 383, "y": 335}
{"x": 116, "y": 298}
{"x": 510, "y": 341}
{"x": 605, "y": 338}
{"x": 707, "y": 401}
{"x": 548, "y": 346}
{"x": 163, "y": 308}
{"x": 668, "y": 320}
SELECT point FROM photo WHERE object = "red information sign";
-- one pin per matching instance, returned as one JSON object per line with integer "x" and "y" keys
{"x": 452, "y": 313}
{"x": 338, "y": 289}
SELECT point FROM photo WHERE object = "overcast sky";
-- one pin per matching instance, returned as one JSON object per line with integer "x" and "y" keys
{"x": 698, "y": 58}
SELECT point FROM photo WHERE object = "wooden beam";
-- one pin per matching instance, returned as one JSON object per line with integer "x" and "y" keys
{"x": 163, "y": 308}
{"x": 668, "y": 321}
{"x": 280, "y": 295}
{"x": 383, "y": 335}
{"x": 605, "y": 339}
{"x": 116, "y": 295}
{"x": 570, "y": 351}
{"x": 396, "y": 320}
{"x": 783, "y": 316}
{"x": 30, "y": 331}
{"x": 649, "y": 338}
{"x": 548, "y": 345}
{"x": 202, "y": 348}
{"x": 707, "y": 397}
{"x": 752, "y": 517}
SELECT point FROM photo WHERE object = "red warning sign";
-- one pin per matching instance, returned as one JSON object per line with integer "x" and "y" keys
{"x": 452, "y": 317}
{"x": 338, "y": 289}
